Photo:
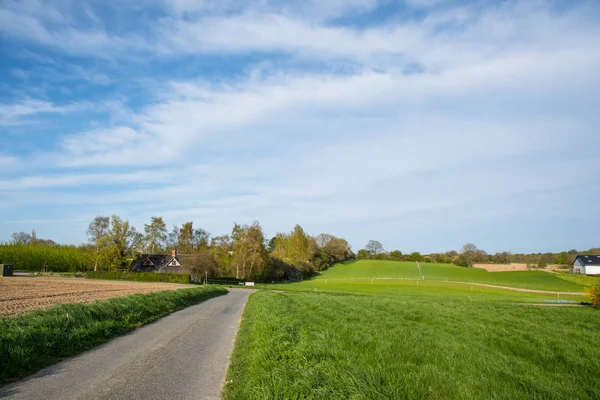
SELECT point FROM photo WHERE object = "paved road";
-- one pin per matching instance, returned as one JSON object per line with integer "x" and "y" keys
{"x": 182, "y": 356}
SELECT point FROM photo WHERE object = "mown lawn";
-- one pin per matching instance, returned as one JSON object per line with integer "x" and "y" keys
{"x": 307, "y": 345}
{"x": 374, "y": 269}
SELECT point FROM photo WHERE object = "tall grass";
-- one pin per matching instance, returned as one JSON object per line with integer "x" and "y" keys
{"x": 31, "y": 341}
{"x": 345, "y": 346}
{"x": 139, "y": 276}
{"x": 32, "y": 257}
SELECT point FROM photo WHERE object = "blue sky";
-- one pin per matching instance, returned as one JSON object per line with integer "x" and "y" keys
{"x": 424, "y": 124}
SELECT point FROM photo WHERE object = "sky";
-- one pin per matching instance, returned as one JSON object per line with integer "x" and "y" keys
{"x": 423, "y": 124}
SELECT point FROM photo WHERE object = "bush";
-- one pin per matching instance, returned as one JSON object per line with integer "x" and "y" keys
{"x": 139, "y": 276}
{"x": 594, "y": 293}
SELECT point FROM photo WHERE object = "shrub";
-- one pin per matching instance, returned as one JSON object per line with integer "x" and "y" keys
{"x": 594, "y": 293}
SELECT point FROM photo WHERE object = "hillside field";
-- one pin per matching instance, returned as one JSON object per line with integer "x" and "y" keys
{"x": 365, "y": 330}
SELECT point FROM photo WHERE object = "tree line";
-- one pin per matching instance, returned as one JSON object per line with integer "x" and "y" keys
{"x": 244, "y": 253}
{"x": 469, "y": 255}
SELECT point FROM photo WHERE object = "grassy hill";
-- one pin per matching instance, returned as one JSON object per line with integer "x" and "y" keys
{"x": 393, "y": 270}
{"x": 389, "y": 330}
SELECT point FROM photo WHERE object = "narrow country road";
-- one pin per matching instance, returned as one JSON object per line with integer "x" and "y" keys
{"x": 182, "y": 356}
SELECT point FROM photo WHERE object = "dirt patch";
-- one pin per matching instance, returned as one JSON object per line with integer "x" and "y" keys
{"x": 510, "y": 267}
{"x": 20, "y": 294}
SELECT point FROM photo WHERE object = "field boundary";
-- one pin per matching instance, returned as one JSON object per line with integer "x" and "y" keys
{"x": 517, "y": 289}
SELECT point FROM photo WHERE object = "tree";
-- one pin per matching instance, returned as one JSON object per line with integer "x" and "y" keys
{"x": 468, "y": 254}
{"x": 249, "y": 252}
{"x": 562, "y": 258}
{"x": 396, "y": 255}
{"x": 416, "y": 256}
{"x": 221, "y": 248}
{"x": 97, "y": 233}
{"x": 201, "y": 239}
{"x": 323, "y": 238}
{"x": 185, "y": 238}
{"x": 374, "y": 247}
{"x": 124, "y": 238}
{"x": 20, "y": 238}
{"x": 362, "y": 254}
{"x": 156, "y": 234}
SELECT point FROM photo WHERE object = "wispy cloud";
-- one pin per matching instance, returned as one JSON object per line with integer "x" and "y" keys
{"x": 322, "y": 113}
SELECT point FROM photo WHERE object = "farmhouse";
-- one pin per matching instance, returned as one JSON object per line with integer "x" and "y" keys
{"x": 587, "y": 265}
{"x": 192, "y": 264}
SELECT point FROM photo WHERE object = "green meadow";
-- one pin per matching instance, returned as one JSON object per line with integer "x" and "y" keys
{"x": 354, "y": 333}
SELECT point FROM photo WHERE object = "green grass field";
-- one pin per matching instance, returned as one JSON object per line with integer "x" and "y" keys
{"x": 393, "y": 270}
{"x": 349, "y": 335}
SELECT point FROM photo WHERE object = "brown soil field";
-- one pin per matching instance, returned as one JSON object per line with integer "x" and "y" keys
{"x": 20, "y": 294}
{"x": 510, "y": 267}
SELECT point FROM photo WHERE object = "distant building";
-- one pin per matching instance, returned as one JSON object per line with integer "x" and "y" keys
{"x": 587, "y": 265}
{"x": 196, "y": 265}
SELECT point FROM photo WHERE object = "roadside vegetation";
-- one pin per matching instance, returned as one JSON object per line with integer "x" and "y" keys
{"x": 415, "y": 345}
{"x": 33, "y": 340}
{"x": 138, "y": 276}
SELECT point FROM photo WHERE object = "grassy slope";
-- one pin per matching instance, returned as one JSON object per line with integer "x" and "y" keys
{"x": 327, "y": 346}
{"x": 369, "y": 269}
{"x": 584, "y": 280}
{"x": 31, "y": 341}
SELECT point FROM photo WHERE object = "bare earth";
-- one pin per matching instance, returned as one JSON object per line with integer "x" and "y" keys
{"x": 510, "y": 267}
{"x": 20, "y": 294}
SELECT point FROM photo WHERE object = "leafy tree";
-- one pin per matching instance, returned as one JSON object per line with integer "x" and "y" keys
{"x": 396, "y": 255}
{"x": 124, "y": 238}
{"x": 362, "y": 254}
{"x": 562, "y": 258}
{"x": 249, "y": 251}
{"x": 221, "y": 248}
{"x": 156, "y": 234}
{"x": 416, "y": 256}
{"x": 97, "y": 233}
{"x": 185, "y": 238}
{"x": 201, "y": 239}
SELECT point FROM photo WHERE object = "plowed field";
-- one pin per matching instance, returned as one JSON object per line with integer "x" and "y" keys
{"x": 18, "y": 295}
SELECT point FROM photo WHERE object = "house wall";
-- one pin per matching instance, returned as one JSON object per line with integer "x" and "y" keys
{"x": 592, "y": 270}
{"x": 578, "y": 267}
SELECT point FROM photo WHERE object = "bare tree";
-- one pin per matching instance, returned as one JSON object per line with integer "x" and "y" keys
{"x": 374, "y": 247}
{"x": 468, "y": 254}
{"x": 20, "y": 238}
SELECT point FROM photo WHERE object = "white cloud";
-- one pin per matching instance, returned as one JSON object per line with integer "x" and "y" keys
{"x": 500, "y": 94}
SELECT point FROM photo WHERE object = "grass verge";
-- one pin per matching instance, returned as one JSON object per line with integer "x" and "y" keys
{"x": 31, "y": 341}
{"x": 139, "y": 276}
{"x": 339, "y": 346}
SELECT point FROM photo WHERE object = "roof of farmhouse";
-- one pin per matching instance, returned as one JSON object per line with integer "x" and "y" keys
{"x": 589, "y": 260}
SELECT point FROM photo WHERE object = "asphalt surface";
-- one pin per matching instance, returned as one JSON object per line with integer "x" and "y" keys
{"x": 182, "y": 356}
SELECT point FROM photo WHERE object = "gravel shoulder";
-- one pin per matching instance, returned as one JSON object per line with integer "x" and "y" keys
{"x": 182, "y": 356}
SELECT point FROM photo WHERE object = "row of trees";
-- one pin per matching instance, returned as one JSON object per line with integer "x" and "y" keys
{"x": 470, "y": 255}
{"x": 244, "y": 253}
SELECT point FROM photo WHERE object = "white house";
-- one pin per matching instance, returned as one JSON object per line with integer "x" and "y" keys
{"x": 587, "y": 265}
